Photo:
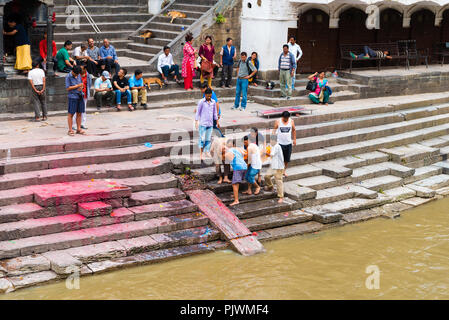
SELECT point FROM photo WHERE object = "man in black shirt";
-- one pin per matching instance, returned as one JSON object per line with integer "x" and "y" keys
{"x": 121, "y": 88}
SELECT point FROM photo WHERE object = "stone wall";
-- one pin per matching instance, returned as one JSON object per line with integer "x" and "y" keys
{"x": 220, "y": 32}
{"x": 15, "y": 95}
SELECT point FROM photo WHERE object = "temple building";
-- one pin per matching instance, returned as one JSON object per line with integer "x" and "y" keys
{"x": 321, "y": 26}
{"x": 36, "y": 17}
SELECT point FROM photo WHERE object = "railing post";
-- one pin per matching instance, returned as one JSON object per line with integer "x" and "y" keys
{"x": 50, "y": 62}
{"x": 2, "y": 53}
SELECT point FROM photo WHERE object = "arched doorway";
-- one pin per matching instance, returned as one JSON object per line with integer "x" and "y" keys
{"x": 445, "y": 27}
{"x": 313, "y": 37}
{"x": 423, "y": 30}
{"x": 391, "y": 29}
{"x": 352, "y": 28}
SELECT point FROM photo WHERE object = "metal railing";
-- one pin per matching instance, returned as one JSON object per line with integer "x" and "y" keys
{"x": 88, "y": 16}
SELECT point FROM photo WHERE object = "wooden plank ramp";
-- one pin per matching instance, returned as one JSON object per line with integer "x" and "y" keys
{"x": 224, "y": 220}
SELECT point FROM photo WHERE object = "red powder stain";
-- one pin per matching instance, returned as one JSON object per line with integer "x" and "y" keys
{"x": 255, "y": 234}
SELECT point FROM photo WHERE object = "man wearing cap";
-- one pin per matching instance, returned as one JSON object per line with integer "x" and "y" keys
{"x": 103, "y": 90}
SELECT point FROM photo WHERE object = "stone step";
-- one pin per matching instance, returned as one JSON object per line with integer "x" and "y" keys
{"x": 155, "y": 196}
{"x": 105, "y": 27}
{"x": 410, "y": 153}
{"x": 82, "y": 36}
{"x": 113, "y": 10}
{"x": 294, "y": 101}
{"x": 228, "y": 197}
{"x": 400, "y": 193}
{"x": 381, "y": 183}
{"x": 276, "y": 220}
{"x": 70, "y": 222}
{"x": 312, "y": 141}
{"x": 105, "y": 171}
{"x": 95, "y": 235}
{"x": 150, "y": 183}
{"x": 23, "y": 211}
{"x": 435, "y": 182}
{"x": 94, "y": 209}
{"x": 163, "y": 209}
{"x": 166, "y": 19}
{"x": 423, "y": 173}
{"x": 289, "y": 231}
{"x": 152, "y": 257}
{"x": 317, "y": 182}
{"x": 78, "y": 192}
{"x": 260, "y": 208}
{"x": 101, "y": 18}
{"x": 349, "y": 205}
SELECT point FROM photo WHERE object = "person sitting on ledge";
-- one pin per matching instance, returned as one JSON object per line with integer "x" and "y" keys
{"x": 64, "y": 62}
{"x": 322, "y": 91}
{"x": 109, "y": 58}
{"x": 370, "y": 53}
{"x": 166, "y": 65}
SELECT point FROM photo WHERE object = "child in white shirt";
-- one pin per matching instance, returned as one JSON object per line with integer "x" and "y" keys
{"x": 277, "y": 167}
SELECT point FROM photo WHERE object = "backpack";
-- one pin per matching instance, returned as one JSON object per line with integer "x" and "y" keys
{"x": 311, "y": 85}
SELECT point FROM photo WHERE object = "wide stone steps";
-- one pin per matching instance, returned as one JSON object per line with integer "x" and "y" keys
{"x": 98, "y": 156}
{"x": 83, "y": 36}
{"x": 70, "y": 222}
{"x": 120, "y": 170}
{"x": 263, "y": 207}
{"x": 93, "y": 235}
{"x": 277, "y": 220}
{"x": 103, "y": 26}
{"x": 109, "y": 9}
{"x": 122, "y": 17}
{"x": 294, "y": 101}
{"x": 59, "y": 261}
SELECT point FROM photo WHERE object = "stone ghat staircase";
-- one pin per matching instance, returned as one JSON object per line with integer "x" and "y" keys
{"x": 117, "y": 204}
{"x": 372, "y": 163}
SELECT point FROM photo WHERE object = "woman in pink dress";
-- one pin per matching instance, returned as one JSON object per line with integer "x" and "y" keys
{"x": 188, "y": 63}
{"x": 207, "y": 53}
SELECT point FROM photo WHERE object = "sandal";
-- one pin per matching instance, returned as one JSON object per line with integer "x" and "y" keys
{"x": 119, "y": 108}
{"x": 81, "y": 132}
{"x": 130, "y": 108}
{"x": 71, "y": 133}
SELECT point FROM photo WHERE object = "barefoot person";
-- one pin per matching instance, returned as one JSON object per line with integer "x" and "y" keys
{"x": 206, "y": 113}
{"x": 370, "y": 53}
{"x": 74, "y": 85}
{"x": 218, "y": 150}
{"x": 285, "y": 130}
{"x": 254, "y": 166}
{"x": 276, "y": 168}
{"x": 234, "y": 156}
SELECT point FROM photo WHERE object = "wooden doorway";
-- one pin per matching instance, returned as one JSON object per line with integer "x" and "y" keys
{"x": 313, "y": 37}
{"x": 423, "y": 30}
{"x": 352, "y": 28}
{"x": 391, "y": 29}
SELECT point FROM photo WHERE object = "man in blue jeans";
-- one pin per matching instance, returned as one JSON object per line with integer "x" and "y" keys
{"x": 206, "y": 113}
{"x": 370, "y": 53}
{"x": 245, "y": 71}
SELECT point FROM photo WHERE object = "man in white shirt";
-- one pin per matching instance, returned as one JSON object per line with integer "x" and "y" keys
{"x": 80, "y": 54}
{"x": 276, "y": 168}
{"x": 166, "y": 66}
{"x": 295, "y": 49}
{"x": 37, "y": 80}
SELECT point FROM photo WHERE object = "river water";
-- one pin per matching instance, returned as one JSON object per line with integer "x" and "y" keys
{"x": 411, "y": 254}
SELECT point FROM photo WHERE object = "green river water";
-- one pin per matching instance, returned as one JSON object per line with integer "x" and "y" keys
{"x": 411, "y": 253}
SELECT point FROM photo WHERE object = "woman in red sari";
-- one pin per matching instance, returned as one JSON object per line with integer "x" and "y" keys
{"x": 207, "y": 53}
{"x": 188, "y": 63}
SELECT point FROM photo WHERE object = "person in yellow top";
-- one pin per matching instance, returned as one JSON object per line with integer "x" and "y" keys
{"x": 23, "y": 45}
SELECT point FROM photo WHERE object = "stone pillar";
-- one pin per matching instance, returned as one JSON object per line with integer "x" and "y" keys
{"x": 50, "y": 63}
{"x": 2, "y": 52}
